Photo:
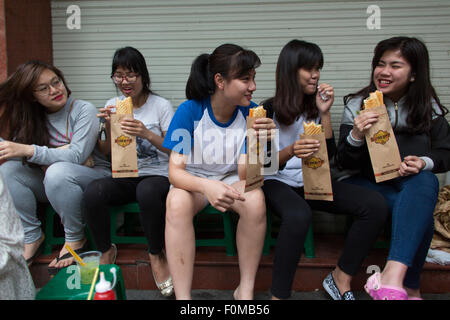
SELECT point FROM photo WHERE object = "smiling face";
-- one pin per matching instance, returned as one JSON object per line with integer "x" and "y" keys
{"x": 239, "y": 91}
{"x": 308, "y": 79}
{"x": 50, "y": 91}
{"x": 392, "y": 75}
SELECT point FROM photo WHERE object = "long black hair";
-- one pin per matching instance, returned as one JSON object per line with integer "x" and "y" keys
{"x": 290, "y": 101}
{"x": 229, "y": 60}
{"x": 420, "y": 92}
{"x": 132, "y": 59}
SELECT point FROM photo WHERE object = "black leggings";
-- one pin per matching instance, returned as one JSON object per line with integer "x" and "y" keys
{"x": 149, "y": 191}
{"x": 368, "y": 208}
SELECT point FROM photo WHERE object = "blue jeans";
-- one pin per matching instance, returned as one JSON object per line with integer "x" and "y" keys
{"x": 412, "y": 201}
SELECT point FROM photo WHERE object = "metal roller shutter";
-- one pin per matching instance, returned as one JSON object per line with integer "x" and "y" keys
{"x": 172, "y": 33}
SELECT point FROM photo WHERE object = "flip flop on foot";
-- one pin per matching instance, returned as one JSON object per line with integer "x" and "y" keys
{"x": 53, "y": 269}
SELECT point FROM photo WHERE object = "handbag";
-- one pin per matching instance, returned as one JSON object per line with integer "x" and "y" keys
{"x": 90, "y": 160}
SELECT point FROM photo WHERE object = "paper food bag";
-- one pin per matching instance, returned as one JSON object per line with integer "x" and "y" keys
{"x": 381, "y": 142}
{"x": 254, "y": 178}
{"x": 123, "y": 146}
{"x": 316, "y": 168}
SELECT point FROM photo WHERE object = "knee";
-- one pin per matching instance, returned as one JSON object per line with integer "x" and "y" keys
{"x": 8, "y": 177}
{"x": 58, "y": 175}
{"x": 426, "y": 179}
{"x": 255, "y": 205}
{"x": 296, "y": 220}
{"x": 10, "y": 171}
{"x": 299, "y": 218}
{"x": 156, "y": 189}
{"x": 373, "y": 208}
{"x": 179, "y": 210}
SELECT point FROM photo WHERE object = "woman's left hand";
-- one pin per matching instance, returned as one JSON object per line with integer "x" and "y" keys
{"x": 10, "y": 150}
{"x": 411, "y": 165}
{"x": 328, "y": 91}
{"x": 263, "y": 127}
{"x": 135, "y": 128}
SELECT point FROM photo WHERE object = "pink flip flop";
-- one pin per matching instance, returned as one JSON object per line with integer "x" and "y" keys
{"x": 383, "y": 292}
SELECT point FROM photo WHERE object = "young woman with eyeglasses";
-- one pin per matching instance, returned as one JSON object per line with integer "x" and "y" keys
{"x": 38, "y": 115}
{"x": 152, "y": 115}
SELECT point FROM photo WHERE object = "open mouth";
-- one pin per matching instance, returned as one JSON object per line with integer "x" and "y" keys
{"x": 382, "y": 83}
{"x": 127, "y": 90}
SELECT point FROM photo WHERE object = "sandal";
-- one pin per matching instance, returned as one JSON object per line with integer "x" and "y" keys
{"x": 378, "y": 291}
{"x": 52, "y": 271}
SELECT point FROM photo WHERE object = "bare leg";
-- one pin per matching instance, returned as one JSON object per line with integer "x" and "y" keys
{"x": 180, "y": 238}
{"x": 250, "y": 235}
{"x": 393, "y": 274}
{"x": 107, "y": 257}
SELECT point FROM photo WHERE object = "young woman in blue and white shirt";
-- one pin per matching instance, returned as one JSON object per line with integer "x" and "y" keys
{"x": 204, "y": 168}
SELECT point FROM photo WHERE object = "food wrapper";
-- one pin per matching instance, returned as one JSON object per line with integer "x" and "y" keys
{"x": 316, "y": 168}
{"x": 254, "y": 179}
{"x": 381, "y": 142}
{"x": 123, "y": 146}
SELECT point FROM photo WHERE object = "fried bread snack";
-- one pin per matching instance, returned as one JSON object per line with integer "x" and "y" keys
{"x": 257, "y": 112}
{"x": 312, "y": 128}
{"x": 375, "y": 99}
{"x": 125, "y": 106}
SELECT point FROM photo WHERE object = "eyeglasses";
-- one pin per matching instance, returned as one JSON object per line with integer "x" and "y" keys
{"x": 130, "y": 77}
{"x": 44, "y": 89}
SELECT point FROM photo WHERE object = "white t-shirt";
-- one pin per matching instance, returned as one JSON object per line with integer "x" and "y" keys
{"x": 156, "y": 114}
{"x": 212, "y": 147}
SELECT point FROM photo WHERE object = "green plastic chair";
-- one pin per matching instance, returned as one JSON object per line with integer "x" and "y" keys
{"x": 271, "y": 241}
{"x": 227, "y": 241}
{"x": 132, "y": 207}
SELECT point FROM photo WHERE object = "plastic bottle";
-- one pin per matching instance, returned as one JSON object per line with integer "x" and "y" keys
{"x": 103, "y": 289}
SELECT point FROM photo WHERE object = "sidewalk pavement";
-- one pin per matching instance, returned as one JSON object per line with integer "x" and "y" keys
{"x": 228, "y": 295}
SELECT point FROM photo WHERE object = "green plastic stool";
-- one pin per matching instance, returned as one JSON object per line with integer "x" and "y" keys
{"x": 50, "y": 239}
{"x": 228, "y": 240}
{"x": 65, "y": 285}
{"x": 132, "y": 207}
{"x": 271, "y": 241}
